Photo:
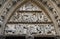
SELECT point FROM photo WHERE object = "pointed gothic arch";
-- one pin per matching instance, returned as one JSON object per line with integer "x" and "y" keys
{"x": 15, "y": 9}
{"x": 40, "y": 5}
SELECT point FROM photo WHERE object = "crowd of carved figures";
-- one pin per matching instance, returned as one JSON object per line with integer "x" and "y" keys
{"x": 4, "y": 14}
{"x": 30, "y": 29}
{"x": 29, "y": 17}
{"x": 29, "y": 7}
{"x": 20, "y": 16}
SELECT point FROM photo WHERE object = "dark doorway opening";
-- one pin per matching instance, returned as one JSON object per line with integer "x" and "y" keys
{"x": 23, "y": 37}
{"x": 15, "y": 37}
{"x": 44, "y": 38}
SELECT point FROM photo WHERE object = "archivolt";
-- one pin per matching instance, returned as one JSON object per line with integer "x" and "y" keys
{"x": 39, "y": 4}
